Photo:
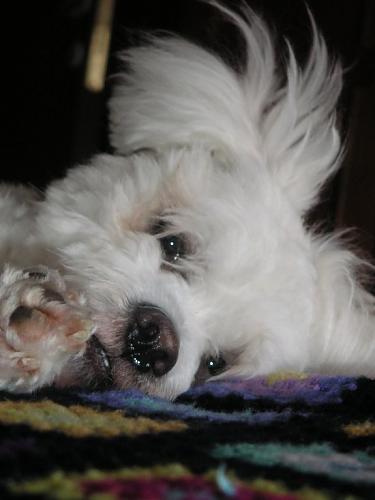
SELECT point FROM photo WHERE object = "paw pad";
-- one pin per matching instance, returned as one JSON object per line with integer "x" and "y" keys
{"x": 44, "y": 327}
{"x": 22, "y": 313}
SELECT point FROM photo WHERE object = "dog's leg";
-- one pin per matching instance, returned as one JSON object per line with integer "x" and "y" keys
{"x": 42, "y": 326}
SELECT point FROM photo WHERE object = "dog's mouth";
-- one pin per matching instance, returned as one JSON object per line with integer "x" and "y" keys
{"x": 100, "y": 361}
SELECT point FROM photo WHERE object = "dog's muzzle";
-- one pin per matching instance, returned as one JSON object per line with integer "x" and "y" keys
{"x": 151, "y": 340}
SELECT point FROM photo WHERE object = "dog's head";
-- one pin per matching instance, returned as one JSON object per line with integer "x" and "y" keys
{"x": 190, "y": 243}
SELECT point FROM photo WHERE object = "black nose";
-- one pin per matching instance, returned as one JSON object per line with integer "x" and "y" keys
{"x": 151, "y": 340}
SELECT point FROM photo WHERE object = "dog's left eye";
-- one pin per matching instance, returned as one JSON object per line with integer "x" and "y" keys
{"x": 210, "y": 366}
{"x": 215, "y": 365}
{"x": 173, "y": 247}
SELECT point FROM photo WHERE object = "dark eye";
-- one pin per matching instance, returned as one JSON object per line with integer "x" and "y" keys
{"x": 215, "y": 365}
{"x": 173, "y": 247}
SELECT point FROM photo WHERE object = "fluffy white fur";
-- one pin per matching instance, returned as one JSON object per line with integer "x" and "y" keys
{"x": 233, "y": 162}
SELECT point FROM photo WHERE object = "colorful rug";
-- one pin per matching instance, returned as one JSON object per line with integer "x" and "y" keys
{"x": 282, "y": 437}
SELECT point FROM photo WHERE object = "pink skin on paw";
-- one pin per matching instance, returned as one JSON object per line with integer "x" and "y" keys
{"x": 43, "y": 333}
{"x": 36, "y": 323}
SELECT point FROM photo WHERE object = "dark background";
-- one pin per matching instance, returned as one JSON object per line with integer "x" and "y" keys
{"x": 52, "y": 122}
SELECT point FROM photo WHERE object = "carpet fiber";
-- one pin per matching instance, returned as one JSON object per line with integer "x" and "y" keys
{"x": 282, "y": 437}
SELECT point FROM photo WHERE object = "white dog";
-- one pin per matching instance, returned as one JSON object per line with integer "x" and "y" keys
{"x": 185, "y": 255}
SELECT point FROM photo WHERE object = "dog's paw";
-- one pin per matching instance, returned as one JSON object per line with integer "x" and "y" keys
{"x": 42, "y": 326}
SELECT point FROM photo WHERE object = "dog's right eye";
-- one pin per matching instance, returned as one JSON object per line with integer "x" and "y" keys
{"x": 173, "y": 247}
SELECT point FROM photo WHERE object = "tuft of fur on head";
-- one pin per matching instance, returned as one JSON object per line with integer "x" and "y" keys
{"x": 231, "y": 161}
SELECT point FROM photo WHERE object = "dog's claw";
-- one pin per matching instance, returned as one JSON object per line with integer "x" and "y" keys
{"x": 84, "y": 334}
{"x": 29, "y": 364}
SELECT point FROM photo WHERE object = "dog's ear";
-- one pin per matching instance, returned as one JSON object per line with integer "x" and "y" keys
{"x": 175, "y": 93}
{"x": 301, "y": 139}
